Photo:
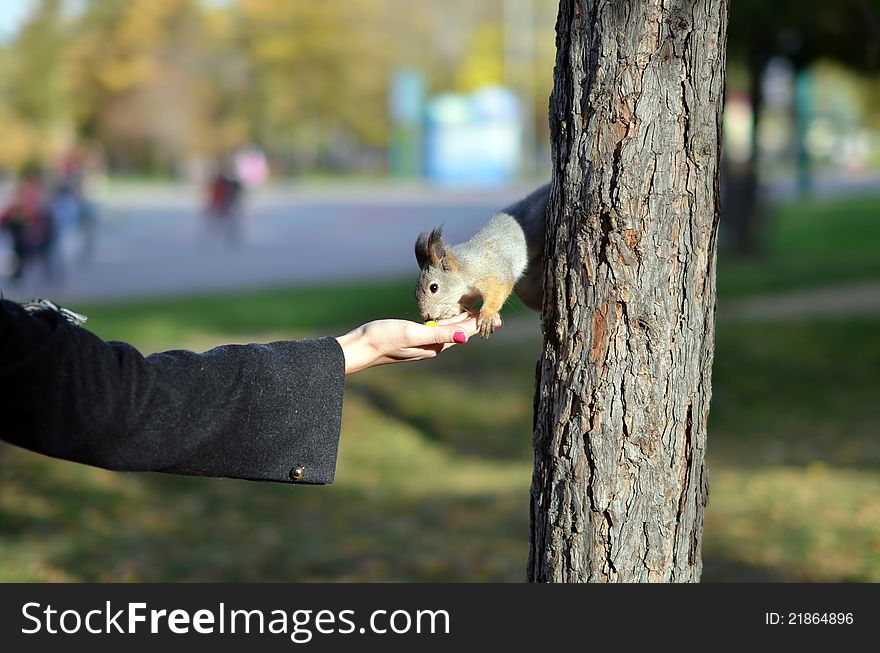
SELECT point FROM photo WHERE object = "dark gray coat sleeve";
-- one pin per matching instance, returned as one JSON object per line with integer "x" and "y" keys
{"x": 242, "y": 411}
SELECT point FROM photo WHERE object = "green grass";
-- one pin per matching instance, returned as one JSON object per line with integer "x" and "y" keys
{"x": 773, "y": 383}
{"x": 435, "y": 459}
{"x": 808, "y": 243}
{"x": 432, "y": 486}
{"x": 325, "y": 307}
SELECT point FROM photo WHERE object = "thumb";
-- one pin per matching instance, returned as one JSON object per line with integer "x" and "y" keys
{"x": 454, "y": 333}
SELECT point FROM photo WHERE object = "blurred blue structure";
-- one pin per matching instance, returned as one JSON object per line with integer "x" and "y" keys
{"x": 406, "y": 107}
{"x": 474, "y": 139}
{"x": 803, "y": 109}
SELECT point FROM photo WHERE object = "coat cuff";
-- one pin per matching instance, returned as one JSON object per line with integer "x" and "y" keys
{"x": 278, "y": 417}
{"x": 294, "y": 419}
{"x": 312, "y": 416}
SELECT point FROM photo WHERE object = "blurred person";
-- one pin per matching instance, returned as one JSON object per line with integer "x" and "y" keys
{"x": 269, "y": 412}
{"x": 87, "y": 224}
{"x": 224, "y": 202}
{"x": 29, "y": 221}
{"x": 65, "y": 210}
{"x": 76, "y": 210}
{"x": 251, "y": 166}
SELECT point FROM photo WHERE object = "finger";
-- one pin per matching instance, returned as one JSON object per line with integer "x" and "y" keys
{"x": 455, "y": 333}
{"x": 430, "y": 351}
{"x": 423, "y": 352}
{"x": 452, "y": 333}
{"x": 419, "y": 335}
{"x": 461, "y": 317}
{"x": 445, "y": 333}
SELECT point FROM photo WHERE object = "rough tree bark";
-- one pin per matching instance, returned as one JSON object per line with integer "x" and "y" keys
{"x": 623, "y": 384}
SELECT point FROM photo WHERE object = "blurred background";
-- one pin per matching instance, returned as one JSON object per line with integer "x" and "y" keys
{"x": 196, "y": 172}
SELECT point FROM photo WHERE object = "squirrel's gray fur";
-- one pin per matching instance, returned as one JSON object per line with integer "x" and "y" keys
{"x": 505, "y": 254}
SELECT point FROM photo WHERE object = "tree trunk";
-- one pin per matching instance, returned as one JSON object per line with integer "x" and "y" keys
{"x": 623, "y": 384}
{"x": 740, "y": 202}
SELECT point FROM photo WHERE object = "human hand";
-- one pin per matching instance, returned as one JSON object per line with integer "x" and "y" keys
{"x": 396, "y": 341}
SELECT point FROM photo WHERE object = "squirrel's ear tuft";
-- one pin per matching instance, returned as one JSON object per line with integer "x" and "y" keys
{"x": 436, "y": 247}
{"x": 423, "y": 255}
{"x": 430, "y": 248}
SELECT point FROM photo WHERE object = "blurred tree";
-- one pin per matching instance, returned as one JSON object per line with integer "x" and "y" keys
{"x": 803, "y": 31}
{"x": 160, "y": 82}
{"x": 35, "y": 95}
{"x": 623, "y": 384}
{"x": 221, "y": 85}
{"x": 483, "y": 63}
{"x": 317, "y": 75}
{"x": 13, "y": 132}
{"x": 132, "y": 68}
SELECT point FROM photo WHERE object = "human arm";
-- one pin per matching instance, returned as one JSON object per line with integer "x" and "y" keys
{"x": 243, "y": 411}
{"x": 395, "y": 341}
{"x": 258, "y": 411}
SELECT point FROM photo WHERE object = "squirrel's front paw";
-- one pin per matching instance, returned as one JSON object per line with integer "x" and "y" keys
{"x": 486, "y": 326}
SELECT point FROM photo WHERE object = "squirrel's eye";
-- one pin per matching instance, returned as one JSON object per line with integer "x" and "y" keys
{"x": 433, "y": 287}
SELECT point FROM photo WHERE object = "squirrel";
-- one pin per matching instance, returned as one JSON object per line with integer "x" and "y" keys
{"x": 506, "y": 255}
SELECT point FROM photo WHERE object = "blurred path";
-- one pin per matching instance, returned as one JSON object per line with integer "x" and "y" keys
{"x": 840, "y": 301}
{"x": 827, "y": 185}
{"x": 843, "y": 301}
{"x": 862, "y": 298}
{"x": 155, "y": 241}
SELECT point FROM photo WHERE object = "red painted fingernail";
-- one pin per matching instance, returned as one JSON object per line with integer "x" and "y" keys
{"x": 459, "y": 337}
